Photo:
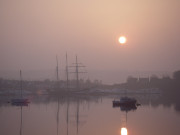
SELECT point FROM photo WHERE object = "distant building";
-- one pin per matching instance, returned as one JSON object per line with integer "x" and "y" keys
{"x": 143, "y": 80}
{"x": 154, "y": 78}
{"x": 132, "y": 80}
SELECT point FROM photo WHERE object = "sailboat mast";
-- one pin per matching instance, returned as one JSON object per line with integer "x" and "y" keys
{"x": 67, "y": 74}
{"x": 57, "y": 69}
{"x": 21, "y": 82}
{"x": 77, "y": 73}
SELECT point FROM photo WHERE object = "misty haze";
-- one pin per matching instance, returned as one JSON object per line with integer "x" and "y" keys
{"x": 89, "y": 67}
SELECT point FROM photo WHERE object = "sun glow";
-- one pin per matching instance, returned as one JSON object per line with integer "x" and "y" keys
{"x": 122, "y": 40}
{"x": 123, "y": 131}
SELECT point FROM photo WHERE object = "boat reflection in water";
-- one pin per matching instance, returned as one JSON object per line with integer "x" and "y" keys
{"x": 126, "y": 104}
{"x": 20, "y": 104}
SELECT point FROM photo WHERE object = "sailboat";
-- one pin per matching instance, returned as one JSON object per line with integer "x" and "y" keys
{"x": 20, "y": 101}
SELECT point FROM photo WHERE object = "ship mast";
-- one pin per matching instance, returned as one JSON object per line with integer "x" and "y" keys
{"x": 57, "y": 69}
{"x": 67, "y": 73}
{"x": 77, "y": 73}
{"x": 21, "y": 82}
{"x": 77, "y": 66}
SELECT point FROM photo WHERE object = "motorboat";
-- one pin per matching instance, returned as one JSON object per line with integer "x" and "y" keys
{"x": 125, "y": 101}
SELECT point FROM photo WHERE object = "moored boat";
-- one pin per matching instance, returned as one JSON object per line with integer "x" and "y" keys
{"x": 20, "y": 101}
{"x": 124, "y": 101}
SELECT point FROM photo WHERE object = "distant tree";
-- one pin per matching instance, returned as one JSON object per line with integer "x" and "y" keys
{"x": 131, "y": 79}
{"x": 154, "y": 78}
{"x": 96, "y": 82}
{"x": 47, "y": 81}
{"x": 176, "y": 75}
{"x": 166, "y": 77}
{"x": 88, "y": 81}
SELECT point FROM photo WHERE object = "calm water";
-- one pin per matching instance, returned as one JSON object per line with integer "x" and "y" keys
{"x": 49, "y": 115}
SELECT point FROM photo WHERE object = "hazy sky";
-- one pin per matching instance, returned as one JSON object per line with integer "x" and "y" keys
{"x": 33, "y": 32}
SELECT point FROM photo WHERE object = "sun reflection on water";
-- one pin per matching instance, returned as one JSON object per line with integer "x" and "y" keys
{"x": 123, "y": 131}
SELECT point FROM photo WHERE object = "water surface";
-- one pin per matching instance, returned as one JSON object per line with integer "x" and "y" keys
{"x": 87, "y": 115}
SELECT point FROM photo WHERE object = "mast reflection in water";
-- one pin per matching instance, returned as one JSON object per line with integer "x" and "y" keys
{"x": 65, "y": 115}
{"x": 21, "y": 104}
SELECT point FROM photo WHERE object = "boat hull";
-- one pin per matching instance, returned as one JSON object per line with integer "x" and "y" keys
{"x": 20, "y": 102}
{"x": 124, "y": 102}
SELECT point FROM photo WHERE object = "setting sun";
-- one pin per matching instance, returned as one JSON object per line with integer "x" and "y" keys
{"x": 122, "y": 40}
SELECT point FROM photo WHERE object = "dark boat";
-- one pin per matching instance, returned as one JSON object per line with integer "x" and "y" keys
{"x": 20, "y": 101}
{"x": 128, "y": 108}
{"x": 125, "y": 101}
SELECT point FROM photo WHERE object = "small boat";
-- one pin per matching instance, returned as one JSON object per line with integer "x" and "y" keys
{"x": 20, "y": 101}
{"x": 127, "y": 101}
{"x": 124, "y": 101}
